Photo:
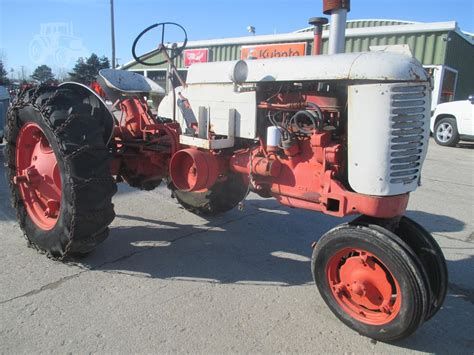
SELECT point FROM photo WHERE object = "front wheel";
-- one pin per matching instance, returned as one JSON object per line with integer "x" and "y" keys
{"x": 428, "y": 252}
{"x": 371, "y": 281}
{"x": 58, "y": 170}
{"x": 431, "y": 255}
{"x": 446, "y": 132}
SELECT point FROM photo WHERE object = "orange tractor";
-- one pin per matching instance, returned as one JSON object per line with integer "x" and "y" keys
{"x": 342, "y": 134}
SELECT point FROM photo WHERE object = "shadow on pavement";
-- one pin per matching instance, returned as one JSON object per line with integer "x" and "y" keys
{"x": 262, "y": 245}
{"x": 451, "y": 330}
{"x": 246, "y": 252}
{"x": 268, "y": 246}
{"x": 436, "y": 223}
{"x": 465, "y": 145}
{"x": 221, "y": 251}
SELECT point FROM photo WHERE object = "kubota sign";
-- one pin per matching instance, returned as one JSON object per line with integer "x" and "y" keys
{"x": 263, "y": 51}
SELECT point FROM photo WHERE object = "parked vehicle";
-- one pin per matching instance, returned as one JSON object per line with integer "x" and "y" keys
{"x": 341, "y": 134}
{"x": 453, "y": 122}
{"x": 4, "y": 104}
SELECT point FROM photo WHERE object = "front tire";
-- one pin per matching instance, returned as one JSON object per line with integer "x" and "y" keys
{"x": 371, "y": 281}
{"x": 431, "y": 255}
{"x": 57, "y": 166}
{"x": 446, "y": 132}
{"x": 428, "y": 252}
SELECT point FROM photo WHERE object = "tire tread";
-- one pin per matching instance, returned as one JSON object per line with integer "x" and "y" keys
{"x": 87, "y": 183}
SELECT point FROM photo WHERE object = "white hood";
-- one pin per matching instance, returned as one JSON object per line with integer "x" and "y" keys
{"x": 373, "y": 66}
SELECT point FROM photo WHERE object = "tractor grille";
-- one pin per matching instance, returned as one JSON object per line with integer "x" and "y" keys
{"x": 408, "y": 133}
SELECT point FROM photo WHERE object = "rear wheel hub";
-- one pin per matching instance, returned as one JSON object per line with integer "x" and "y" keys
{"x": 38, "y": 176}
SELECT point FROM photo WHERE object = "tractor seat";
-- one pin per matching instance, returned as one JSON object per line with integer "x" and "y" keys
{"x": 128, "y": 82}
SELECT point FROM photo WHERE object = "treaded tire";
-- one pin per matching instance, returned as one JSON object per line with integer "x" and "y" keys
{"x": 428, "y": 252}
{"x": 220, "y": 198}
{"x": 431, "y": 255}
{"x": 454, "y": 139}
{"x": 398, "y": 259}
{"x": 74, "y": 131}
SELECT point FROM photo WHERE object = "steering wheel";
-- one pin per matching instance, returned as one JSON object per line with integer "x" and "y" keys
{"x": 176, "y": 51}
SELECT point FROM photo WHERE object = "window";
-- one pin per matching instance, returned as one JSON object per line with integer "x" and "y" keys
{"x": 448, "y": 87}
{"x": 160, "y": 77}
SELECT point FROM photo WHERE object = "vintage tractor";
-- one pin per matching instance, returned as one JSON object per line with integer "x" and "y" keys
{"x": 342, "y": 134}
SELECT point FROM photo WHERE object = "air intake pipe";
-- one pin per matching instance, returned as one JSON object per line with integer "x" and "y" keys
{"x": 338, "y": 10}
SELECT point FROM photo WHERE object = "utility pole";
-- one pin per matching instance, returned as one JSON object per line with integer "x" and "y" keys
{"x": 112, "y": 28}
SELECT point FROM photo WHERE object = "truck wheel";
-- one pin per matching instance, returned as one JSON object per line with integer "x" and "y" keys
{"x": 446, "y": 132}
{"x": 430, "y": 254}
{"x": 220, "y": 198}
{"x": 371, "y": 281}
{"x": 57, "y": 166}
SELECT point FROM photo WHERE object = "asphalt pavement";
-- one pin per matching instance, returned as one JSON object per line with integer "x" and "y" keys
{"x": 169, "y": 281}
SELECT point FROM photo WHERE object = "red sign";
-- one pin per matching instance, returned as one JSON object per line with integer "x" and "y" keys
{"x": 192, "y": 56}
{"x": 262, "y": 51}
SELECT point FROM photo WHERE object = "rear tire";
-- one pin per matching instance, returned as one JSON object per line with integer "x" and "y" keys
{"x": 446, "y": 132}
{"x": 74, "y": 131}
{"x": 384, "y": 308}
{"x": 220, "y": 198}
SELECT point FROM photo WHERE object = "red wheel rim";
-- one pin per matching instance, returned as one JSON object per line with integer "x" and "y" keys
{"x": 38, "y": 176}
{"x": 363, "y": 286}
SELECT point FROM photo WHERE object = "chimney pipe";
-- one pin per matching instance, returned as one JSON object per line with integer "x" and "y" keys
{"x": 318, "y": 23}
{"x": 338, "y": 10}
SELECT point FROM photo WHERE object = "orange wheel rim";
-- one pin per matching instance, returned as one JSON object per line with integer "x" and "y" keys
{"x": 37, "y": 176}
{"x": 363, "y": 286}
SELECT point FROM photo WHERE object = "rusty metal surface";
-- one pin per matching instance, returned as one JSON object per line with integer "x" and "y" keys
{"x": 330, "y": 5}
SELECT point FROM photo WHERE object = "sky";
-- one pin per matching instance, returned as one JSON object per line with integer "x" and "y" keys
{"x": 85, "y": 24}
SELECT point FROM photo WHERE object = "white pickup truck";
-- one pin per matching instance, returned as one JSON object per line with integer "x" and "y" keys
{"x": 453, "y": 121}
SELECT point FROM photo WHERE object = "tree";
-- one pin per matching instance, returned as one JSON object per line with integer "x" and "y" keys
{"x": 3, "y": 75}
{"x": 86, "y": 69}
{"x": 62, "y": 75}
{"x": 43, "y": 74}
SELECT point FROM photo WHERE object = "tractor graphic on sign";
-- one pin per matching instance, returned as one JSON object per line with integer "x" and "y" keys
{"x": 56, "y": 40}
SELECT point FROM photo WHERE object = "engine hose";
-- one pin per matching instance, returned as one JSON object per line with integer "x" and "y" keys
{"x": 314, "y": 116}
{"x": 317, "y": 110}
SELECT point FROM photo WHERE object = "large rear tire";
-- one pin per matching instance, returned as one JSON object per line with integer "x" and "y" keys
{"x": 371, "y": 281}
{"x": 58, "y": 169}
{"x": 220, "y": 198}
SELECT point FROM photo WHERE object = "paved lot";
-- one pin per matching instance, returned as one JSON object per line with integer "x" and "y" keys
{"x": 168, "y": 281}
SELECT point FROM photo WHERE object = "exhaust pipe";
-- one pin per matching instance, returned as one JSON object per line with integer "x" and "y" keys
{"x": 318, "y": 23}
{"x": 338, "y": 10}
